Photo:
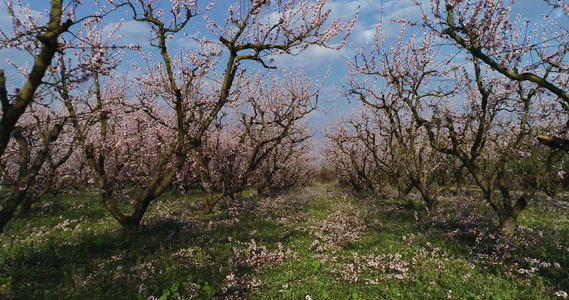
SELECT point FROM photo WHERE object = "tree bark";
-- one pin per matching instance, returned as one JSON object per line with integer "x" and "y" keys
{"x": 8, "y": 210}
{"x": 554, "y": 142}
{"x": 12, "y": 113}
{"x": 508, "y": 224}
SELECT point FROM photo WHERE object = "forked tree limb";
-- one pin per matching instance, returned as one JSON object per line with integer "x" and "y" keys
{"x": 554, "y": 142}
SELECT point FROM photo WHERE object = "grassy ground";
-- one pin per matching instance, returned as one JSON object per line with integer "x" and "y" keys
{"x": 314, "y": 243}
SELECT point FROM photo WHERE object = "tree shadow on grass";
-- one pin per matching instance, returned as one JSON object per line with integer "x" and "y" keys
{"x": 468, "y": 231}
{"x": 167, "y": 255}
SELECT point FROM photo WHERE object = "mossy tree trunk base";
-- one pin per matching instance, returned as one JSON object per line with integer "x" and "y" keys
{"x": 508, "y": 225}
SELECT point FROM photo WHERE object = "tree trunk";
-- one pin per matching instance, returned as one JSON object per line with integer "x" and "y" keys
{"x": 261, "y": 192}
{"x": 130, "y": 225}
{"x": 433, "y": 205}
{"x": 509, "y": 217}
{"x": 8, "y": 210}
{"x": 212, "y": 200}
{"x": 403, "y": 189}
{"x": 508, "y": 224}
{"x": 26, "y": 206}
{"x": 430, "y": 197}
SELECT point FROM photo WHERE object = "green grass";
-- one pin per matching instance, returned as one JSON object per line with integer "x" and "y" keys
{"x": 318, "y": 242}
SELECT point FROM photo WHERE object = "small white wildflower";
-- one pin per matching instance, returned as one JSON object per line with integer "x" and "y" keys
{"x": 561, "y": 294}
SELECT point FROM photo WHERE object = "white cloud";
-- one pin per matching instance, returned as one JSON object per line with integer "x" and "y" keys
{"x": 364, "y": 36}
{"x": 401, "y": 9}
{"x": 345, "y": 9}
{"x": 317, "y": 117}
{"x": 371, "y": 12}
{"x": 313, "y": 59}
{"x": 136, "y": 33}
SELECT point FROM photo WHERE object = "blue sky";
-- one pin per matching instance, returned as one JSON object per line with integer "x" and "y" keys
{"x": 313, "y": 60}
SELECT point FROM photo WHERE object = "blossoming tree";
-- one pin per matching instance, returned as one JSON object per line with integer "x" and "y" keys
{"x": 43, "y": 37}
{"x": 181, "y": 81}
{"x": 481, "y": 118}
{"x": 268, "y": 116}
{"x": 508, "y": 45}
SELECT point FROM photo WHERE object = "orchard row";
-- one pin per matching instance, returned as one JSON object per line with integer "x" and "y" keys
{"x": 189, "y": 117}
{"x": 469, "y": 96}
{"x": 473, "y": 97}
